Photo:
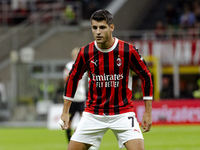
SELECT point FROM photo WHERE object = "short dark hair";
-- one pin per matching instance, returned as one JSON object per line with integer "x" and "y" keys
{"x": 101, "y": 15}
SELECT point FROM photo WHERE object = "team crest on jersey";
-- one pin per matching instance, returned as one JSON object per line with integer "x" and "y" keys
{"x": 119, "y": 61}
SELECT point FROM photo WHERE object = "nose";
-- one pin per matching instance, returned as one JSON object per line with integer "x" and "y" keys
{"x": 98, "y": 31}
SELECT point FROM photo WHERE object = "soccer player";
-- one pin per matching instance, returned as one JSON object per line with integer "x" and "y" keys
{"x": 78, "y": 104}
{"x": 109, "y": 62}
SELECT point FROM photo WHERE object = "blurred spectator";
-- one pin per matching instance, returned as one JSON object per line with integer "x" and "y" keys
{"x": 183, "y": 91}
{"x": 160, "y": 30}
{"x": 196, "y": 7}
{"x": 167, "y": 88}
{"x": 59, "y": 93}
{"x": 3, "y": 99}
{"x": 89, "y": 6}
{"x": 21, "y": 13}
{"x": 190, "y": 88}
{"x": 5, "y": 17}
{"x": 196, "y": 93}
{"x": 186, "y": 88}
{"x": 136, "y": 88}
{"x": 194, "y": 32}
{"x": 187, "y": 18}
{"x": 70, "y": 15}
{"x": 171, "y": 16}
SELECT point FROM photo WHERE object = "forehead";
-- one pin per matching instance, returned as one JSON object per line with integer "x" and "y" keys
{"x": 99, "y": 23}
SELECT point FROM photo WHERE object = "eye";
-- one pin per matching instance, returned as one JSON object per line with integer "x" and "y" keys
{"x": 94, "y": 27}
{"x": 102, "y": 27}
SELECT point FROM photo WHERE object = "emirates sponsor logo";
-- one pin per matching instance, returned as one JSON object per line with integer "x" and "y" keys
{"x": 104, "y": 77}
{"x": 107, "y": 80}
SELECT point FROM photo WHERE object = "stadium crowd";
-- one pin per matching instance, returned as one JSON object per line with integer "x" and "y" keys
{"x": 183, "y": 15}
{"x": 13, "y": 12}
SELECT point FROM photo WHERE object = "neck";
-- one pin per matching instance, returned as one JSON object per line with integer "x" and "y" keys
{"x": 107, "y": 44}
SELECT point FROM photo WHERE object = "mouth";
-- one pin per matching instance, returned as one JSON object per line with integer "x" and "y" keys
{"x": 98, "y": 37}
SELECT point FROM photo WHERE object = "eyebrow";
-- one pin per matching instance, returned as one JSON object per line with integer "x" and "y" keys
{"x": 101, "y": 26}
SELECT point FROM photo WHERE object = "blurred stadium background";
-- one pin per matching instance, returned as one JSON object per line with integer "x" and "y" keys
{"x": 37, "y": 36}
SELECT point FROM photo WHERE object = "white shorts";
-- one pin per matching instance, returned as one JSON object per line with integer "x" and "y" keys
{"x": 91, "y": 128}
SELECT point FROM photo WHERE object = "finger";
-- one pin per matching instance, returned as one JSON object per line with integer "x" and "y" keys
{"x": 143, "y": 127}
{"x": 145, "y": 131}
{"x": 147, "y": 128}
{"x": 65, "y": 126}
{"x": 62, "y": 124}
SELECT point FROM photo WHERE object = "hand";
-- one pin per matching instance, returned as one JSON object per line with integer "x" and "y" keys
{"x": 65, "y": 119}
{"x": 146, "y": 122}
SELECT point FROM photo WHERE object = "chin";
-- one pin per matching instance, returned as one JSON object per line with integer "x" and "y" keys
{"x": 99, "y": 42}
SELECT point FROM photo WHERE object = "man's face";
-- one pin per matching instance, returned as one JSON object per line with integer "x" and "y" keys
{"x": 102, "y": 32}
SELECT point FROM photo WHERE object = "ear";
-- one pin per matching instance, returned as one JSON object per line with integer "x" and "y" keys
{"x": 112, "y": 27}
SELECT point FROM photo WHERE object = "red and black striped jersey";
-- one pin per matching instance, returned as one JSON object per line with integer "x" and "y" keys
{"x": 110, "y": 81}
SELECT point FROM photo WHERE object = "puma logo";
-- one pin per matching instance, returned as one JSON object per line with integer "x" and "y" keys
{"x": 94, "y": 62}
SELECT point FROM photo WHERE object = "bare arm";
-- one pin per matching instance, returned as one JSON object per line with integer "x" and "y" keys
{"x": 65, "y": 114}
{"x": 147, "y": 117}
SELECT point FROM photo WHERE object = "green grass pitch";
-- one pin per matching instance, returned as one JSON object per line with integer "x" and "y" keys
{"x": 175, "y": 137}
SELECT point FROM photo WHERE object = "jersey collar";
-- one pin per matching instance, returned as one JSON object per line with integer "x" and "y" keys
{"x": 107, "y": 50}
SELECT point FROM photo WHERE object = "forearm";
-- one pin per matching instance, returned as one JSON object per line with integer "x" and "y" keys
{"x": 66, "y": 106}
{"x": 148, "y": 106}
{"x": 64, "y": 120}
{"x": 147, "y": 118}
